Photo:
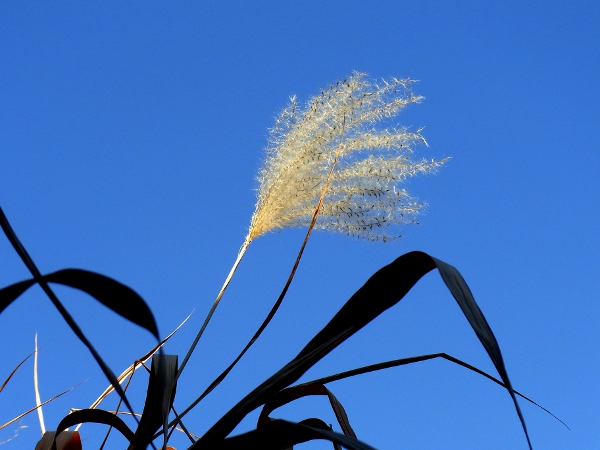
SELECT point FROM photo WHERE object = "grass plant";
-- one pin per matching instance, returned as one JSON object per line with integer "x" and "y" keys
{"x": 329, "y": 166}
{"x": 338, "y": 164}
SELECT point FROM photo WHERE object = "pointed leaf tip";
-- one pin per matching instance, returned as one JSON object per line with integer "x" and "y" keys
{"x": 114, "y": 295}
{"x": 382, "y": 291}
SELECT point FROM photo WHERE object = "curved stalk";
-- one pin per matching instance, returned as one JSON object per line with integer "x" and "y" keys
{"x": 275, "y": 307}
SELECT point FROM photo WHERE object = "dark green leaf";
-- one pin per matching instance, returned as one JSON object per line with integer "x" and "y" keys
{"x": 112, "y": 294}
{"x": 10, "y": 293}
{"x": 294, "y": 393}
{"x": 280, "y": 434}
{"x": 463, "y": 296}
{"x": 383, "y": 290}
{"x": 159, "y": 398}
{"x": 95, "y": 416}
{"x": 411, "y": 360}
{"x": 37, "y": 276}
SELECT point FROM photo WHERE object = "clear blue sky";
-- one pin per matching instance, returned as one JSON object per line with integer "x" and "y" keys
{"x": 130, "y": 139}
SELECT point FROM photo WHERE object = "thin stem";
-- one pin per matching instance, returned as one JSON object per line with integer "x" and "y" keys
{"x": 215, "y": 304}
{"x": 277, "y": 304}
{"x": 116, "y": 411}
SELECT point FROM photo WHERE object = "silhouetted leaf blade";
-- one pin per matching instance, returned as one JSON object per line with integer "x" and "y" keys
{"x": 10, "y": 293}
{"x": 464, "y": 297}
{"x": 114, "y": 295}
{"x": 383, "y": 290}
{"x": 294, "y": 393}
{"x": 412, "y": 360}
{"x": 2, "y": 386}
{"x": 95, "y": 416}
{"x": 28, "y": 261}
{"x": 159, "y": 398}
{"x": 280, "y": 434}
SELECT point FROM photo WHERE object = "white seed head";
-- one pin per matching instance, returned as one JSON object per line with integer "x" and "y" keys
{"x": 338, "y": 129}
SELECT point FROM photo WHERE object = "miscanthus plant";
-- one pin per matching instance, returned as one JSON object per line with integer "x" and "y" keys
{"x": 329, "y": 165}
{"x": 337, "y": 163}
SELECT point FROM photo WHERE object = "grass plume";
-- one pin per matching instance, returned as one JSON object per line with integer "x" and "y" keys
{"x": 363, "y": 197}
{"x": 329, "y": 166}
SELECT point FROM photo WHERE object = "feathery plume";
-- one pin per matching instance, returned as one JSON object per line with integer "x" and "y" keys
{"x": 328, "y": 166}
{"x": 363, "y": 196}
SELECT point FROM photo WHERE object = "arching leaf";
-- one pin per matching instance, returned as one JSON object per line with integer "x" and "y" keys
{"x": 383, "y": 290}
{"x": 412, "y": 360}
{"x": 116, "y": 296}
{"x": 10, "y": 293}
{"x": 159, "y": 398}
{"x": 279, "y": 435}
{"x": 294, "y": 393}
{"x": 94, "y": 416}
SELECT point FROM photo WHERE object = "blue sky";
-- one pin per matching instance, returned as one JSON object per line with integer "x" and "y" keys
{"x": 130, "y": 139}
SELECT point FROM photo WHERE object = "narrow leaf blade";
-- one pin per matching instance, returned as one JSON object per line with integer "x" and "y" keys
{"x": 463, "y": 296}
{"x": 3, "y": 385}
{"x": 10, "y": 293}
{"x": 159, "y": 398}
{"x": 114, "y": 295}
{"x": 96, "y": 416}
{"x": 296, "y": 392}
{"x": 280, "y": 434}
{"x": 28, "y": 261}
{"x": 383, "y": 290}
